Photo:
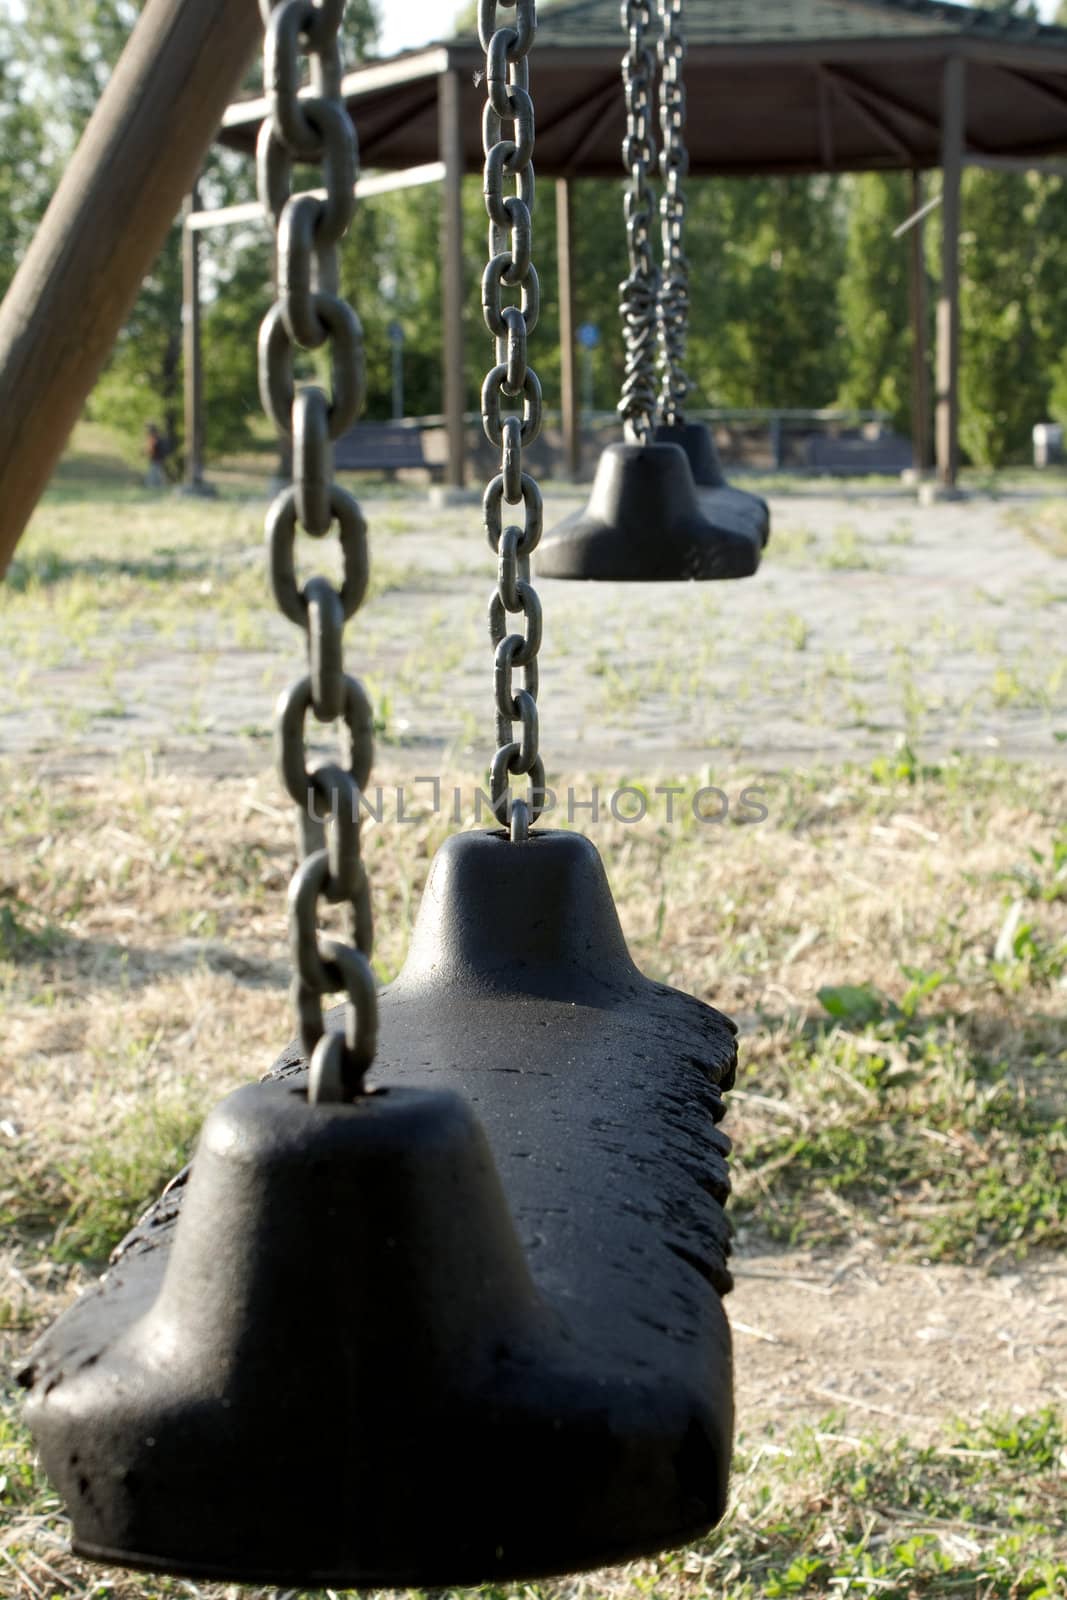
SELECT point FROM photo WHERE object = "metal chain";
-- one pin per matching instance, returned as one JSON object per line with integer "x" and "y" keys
{"x": 638, "y": 294}
{"x": 673, "y": 300}
{"x": 507, "y": 82}
{"x": 308, "y": 314}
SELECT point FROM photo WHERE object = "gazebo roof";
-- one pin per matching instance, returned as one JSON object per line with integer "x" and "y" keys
{"x": 773, "y": 86}
{"x": 589, "y": 22}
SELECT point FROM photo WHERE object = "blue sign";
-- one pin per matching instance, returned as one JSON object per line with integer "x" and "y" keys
{"x": 589, "y": 335}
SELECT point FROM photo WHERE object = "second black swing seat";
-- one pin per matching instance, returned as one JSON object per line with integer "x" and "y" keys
{"x": 647, "y": 521}
{"x": 725, "y": 506}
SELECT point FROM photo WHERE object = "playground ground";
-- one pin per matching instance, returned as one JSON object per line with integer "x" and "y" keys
{"x": 891, "y": 936}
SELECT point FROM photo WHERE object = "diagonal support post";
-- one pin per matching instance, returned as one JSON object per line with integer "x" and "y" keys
{"x": 948, "y": 305}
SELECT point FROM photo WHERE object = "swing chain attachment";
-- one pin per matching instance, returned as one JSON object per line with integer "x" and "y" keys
{"x": 510, "y": 265}
{"x": 309, "y": 313}
{"x": 639, "y": 292}
{"x": 673, "y": 300}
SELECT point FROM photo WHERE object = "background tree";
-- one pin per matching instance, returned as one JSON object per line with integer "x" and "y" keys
{"x": 1004, "y": 381}
{"x": 799, "y": 292}
{"x": 874, "y": 299}
{"x": 26, "y": 174}
{"x": 1003, "y": 385}
{"x": 56, "y": 60}
{"x": 1049, "y": 292}
{"x": 768, "y": 255}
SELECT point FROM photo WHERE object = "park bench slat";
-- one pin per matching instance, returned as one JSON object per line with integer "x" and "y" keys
{"x": 379, "y": 447}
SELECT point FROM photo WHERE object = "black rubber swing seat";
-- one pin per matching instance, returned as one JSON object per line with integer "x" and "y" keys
{"x": 645, "y": 523}
{"x": 466, "y": 1328}
{"x": 723, "y": 505}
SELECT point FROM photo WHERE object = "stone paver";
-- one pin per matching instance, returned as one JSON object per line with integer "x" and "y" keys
{"x": 871, "y": 621}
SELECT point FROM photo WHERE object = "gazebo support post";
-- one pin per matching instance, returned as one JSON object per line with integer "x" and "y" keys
{"x": 948, "y": 306}
{"x": 920, "y": 341}
{"x": 568, "y": 352}
{"x": 451, "y": 152}
{"x": 192, "y": 350}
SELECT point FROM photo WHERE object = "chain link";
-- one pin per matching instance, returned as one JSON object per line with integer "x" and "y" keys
{"x": 315, "y": 129}
{"x": 508, "y": 383}
{"x": 638, "y": 293}
{"x": 673, "y": 301}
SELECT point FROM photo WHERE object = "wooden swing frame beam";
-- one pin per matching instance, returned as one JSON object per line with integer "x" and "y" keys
{"x": 138, "y": 158}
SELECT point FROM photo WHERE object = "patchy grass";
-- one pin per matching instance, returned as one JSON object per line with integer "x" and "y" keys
{"x": 907, "y": 1131}
{"x": 170, "y": 559}
{"x": 842, "y": 549}
{"x": 83, "y": 1202}
{"x": 893, "y": 940}
{"x": 147, "y": 620}
{"x": 978, "y": 1513}
{"x": 848, "y": 551}
{"x": 1047, "y": 526}
{"x": 817, "y": 1512}
{"x": 795, "y": 544}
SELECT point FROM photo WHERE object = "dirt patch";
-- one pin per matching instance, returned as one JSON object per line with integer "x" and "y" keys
{"x": 896, "y": 1346}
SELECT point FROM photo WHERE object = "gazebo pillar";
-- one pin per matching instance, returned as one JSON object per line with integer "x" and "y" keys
{"x": 920, "y": 342}
{"x": 450, "y": 138}
{"x": 568, "y": 351}
{"x": 948, "y": 305}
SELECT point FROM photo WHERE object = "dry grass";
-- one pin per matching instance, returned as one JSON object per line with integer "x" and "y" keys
{"x": 142, "y": 963}
{"x": 142, "y": 969}
{"x": 1048, "y": 526}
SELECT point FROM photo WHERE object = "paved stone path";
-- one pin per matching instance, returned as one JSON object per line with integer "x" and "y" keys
{"x": 872, "y": 621}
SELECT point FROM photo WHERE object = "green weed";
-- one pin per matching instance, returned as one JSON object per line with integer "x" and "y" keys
{"x": 87, "y": 1200}
{"x": 901, "y": 1131}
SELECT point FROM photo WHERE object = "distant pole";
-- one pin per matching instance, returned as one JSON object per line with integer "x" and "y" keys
{"x": 588, "y": 337}
{"x": 920, "y": 357}
{"x": 948, "y": 305}
{"x": 194, "y": 376}
{"x": 283, "y": 472}
{"x": 396, "y": 339}
{"x": 777, "y": 443}
{"x": 572, "y": 437}
{"x": 450, "y": 136}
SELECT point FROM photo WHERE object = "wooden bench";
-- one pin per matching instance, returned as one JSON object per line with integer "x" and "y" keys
{"x": 386, "y": 447}
{"x": 844, "y": 453}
